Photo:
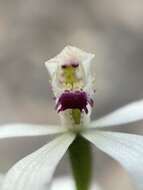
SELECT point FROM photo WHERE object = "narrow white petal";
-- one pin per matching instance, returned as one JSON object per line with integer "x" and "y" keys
{"x": 21, "y": 130}
{"x": 125, "y": 148}
{"x": 36, "y": 170}
{"x": 127, "y": 114}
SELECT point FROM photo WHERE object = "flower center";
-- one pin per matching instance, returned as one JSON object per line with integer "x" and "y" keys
{"x": 71, "y": 76}
{"x": 73, "y": 95}
{"x": 69, "y": 73}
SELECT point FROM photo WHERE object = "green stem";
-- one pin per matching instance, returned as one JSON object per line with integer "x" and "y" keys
{"x": 81, "y": 162}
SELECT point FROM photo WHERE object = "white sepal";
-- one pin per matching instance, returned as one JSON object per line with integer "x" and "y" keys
{"x": 24, "y": 130}
{"x": 70, "y": 53}
{"x": 36, "y": 170}
{"x": 127, "y": 114}
{"x": 52, "y": 65}
{"x": 127, "y": 149}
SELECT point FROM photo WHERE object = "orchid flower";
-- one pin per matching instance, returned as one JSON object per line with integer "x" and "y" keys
{"x": 74, "y": 88}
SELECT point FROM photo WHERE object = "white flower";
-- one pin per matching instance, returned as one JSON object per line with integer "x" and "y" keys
{"x": 36, "y": 170}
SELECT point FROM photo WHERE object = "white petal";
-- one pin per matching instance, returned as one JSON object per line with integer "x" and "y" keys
{"x": 63, "y": 184}
{"x": 36, "y": 170}
{"x": 66, "y": 183}
{"x": 125, "y": 148}
{"x": 21, "y": 130}
{"x": 67, "y": 54}
{"x": 1, "y": 179}
{"x": 51, "y": 65}
{"x": 127, "y": 114}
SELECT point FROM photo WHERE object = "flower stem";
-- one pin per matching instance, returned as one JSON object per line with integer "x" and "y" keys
{"x": 81, "y": 162}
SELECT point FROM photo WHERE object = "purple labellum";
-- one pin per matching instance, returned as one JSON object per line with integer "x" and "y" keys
{"x": 74, "y": 100}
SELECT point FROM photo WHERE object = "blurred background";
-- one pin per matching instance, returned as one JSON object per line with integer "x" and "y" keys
{"x": 32, "y": 31}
